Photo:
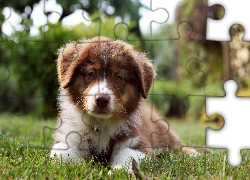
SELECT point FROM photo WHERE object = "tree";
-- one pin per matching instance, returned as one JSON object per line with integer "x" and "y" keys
{"x": 111, "y": 8}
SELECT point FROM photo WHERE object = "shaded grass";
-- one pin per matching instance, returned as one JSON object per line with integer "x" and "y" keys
{"x": 25, "y": 148}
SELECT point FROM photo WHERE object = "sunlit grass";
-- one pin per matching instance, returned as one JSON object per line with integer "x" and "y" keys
{"x": 25, "y": 148}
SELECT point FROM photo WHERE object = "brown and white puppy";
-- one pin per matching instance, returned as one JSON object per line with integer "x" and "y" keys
{"x": 103, "y": 113}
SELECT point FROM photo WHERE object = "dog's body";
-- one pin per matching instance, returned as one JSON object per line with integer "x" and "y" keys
{"x": 102, "y": 110}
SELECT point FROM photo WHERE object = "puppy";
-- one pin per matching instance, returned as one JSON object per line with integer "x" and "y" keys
{"x": 103, "y": 112}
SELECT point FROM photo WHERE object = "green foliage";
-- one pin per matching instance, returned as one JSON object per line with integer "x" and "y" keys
{"x": 31, "y": 61}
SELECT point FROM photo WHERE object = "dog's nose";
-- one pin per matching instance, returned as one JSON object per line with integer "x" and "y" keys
{"x": 102, "y": 100}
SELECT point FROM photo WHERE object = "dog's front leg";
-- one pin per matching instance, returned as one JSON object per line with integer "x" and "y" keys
{"x": 123, "y": 158}
{"x": 123, "y": 152}
{"x": 65, "y": 153}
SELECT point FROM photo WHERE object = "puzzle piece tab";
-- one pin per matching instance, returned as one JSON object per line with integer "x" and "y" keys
{"x": 234, "y": 135}
{"x": 235, "y": 11}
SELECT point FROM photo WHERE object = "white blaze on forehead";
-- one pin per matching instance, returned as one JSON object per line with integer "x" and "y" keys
{"x": 100, "y": 88}
{"x": 105, "y": 59}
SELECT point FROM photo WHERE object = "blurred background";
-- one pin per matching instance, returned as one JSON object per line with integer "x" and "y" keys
{"x": 189, "y": 67}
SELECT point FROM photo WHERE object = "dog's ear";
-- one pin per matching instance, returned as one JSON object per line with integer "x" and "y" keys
{"x": 146, "y": 73}
{"x": 67, "y": 62}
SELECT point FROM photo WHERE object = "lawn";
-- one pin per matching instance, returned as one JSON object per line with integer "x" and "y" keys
{"x": 25, "y": 143}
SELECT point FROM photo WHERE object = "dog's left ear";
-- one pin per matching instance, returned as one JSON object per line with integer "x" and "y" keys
{"x": 146, "y": 73}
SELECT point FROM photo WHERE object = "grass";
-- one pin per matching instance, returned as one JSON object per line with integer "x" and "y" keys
{"x": 25, "y": 148}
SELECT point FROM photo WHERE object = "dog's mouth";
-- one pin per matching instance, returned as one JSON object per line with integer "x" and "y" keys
{"x": 99, "y": 115}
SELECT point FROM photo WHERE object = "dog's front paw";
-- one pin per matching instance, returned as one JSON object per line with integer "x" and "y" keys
{"x": 116, "y": 167}
{"x": 196, "y": 154}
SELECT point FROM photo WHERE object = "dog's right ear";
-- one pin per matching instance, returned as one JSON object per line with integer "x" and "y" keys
{"x": 67, "y": 62}
{"x": 146, "y": 73}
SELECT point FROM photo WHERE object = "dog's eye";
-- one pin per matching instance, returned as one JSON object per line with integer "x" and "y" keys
{"x": 92, "y": 74}
{"x": 118, "y": 78}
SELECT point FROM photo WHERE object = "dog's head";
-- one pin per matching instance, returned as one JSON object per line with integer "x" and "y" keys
{"x": 105, "y": 78}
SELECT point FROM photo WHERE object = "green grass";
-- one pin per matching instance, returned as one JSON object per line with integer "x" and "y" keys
{"x": 25, "y": 143}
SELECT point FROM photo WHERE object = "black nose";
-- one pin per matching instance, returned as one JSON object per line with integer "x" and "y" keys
{"x": 102, "y": 100}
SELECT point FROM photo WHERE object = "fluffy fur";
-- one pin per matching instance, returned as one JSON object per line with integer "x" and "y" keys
{"x": 103, "y": 112}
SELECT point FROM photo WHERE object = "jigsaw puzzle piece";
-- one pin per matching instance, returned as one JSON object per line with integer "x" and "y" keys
{"x": 36, "y": 75}
{"x": 239, "y": 55}
{"x": 164, "y": 73}
{"x": 15, "y": 32}
{"x": 5, "y": 73}
{"x": 234, "y": 122}
{"x": 19, "y": 151}
{"x": 6, "y": 147}
{"x": 90, "y": 25}
{"x": 123, "y": 31}
{"x": 5, "y": 100}
{"x": 193, "y": 53}
{"x": 19, "y": 50}
{"x": 156, "y": 16}
{"x": 54, "y": 14}
{"x": 78, "y": 141}
{"x": 69, "y": 151}
{"x": 199, "y": 168}
{"x": 182, "y": 71}
{"x": 163, "y": 165}
{"x": 159, "y": 140}
{"x": 227, "y": 60}
{"x": 7, "y": 12}
{"x": 196, "y": 13}
{"x": 71, "y": 51}
{"x": 4, "y": 151}
{"x": 40, "y": 103}
{"x": 47, "y": 132}
{"x": 219, "y": 30}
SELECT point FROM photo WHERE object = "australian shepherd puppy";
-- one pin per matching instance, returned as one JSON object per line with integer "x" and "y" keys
{"x": 103, "y": 112}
